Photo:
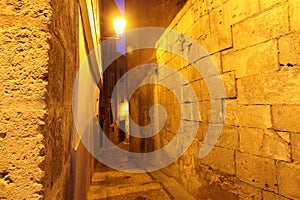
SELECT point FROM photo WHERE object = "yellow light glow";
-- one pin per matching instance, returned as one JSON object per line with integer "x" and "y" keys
{"x": 119, "y": 25}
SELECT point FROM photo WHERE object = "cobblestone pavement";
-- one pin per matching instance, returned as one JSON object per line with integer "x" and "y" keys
{"x": 110, "y": 184}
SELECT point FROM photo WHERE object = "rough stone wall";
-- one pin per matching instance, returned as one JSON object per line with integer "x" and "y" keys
{"x": 255, "y": 46}
{"x": 37, "y": 56}
{"x": 141, "y": 100}
{"x": 24, "y": 35}
{"x": 59, "y": 122}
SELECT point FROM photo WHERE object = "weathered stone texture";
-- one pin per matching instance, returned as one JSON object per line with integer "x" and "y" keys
{"x": 274, "y": 88}
{"x": 258, "y": 59}
{"x": 295, "y": 140}
{"x": 294, "y": 14}
{"x": 36, "y": 76}
{"x": 255, "y": 116}
{"x": 266, "y": 4}
{"x": 216, "y": 92}
{"x": 24, "y": 61}
{"x": 265, "y": 143}
{"x": 251, "y": 140}
{"x": 257, "y": 171}
{"x": 265, "y": 26}
{"x": 236, "y": 11}
{"x": 229, "y": 138}
{"x": 255, "y": 46}
{"x": 221, "y": 159}
{"x": 289, "y": 50}
{"x": 289, "y": 179}
{"x": 286, "y": 118}
{"x": 272, "y": 196}
{"x": 22, "y": 153}
{"x": 219, "y": 37}
{"x": 24, "y": 47}
{"x": 59, "y": 129}
{"x": 199, "y": 28}
{"x": 231, "y": 115}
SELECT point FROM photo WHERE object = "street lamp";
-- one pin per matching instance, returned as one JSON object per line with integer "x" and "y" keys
{"x": 119, "y": 26}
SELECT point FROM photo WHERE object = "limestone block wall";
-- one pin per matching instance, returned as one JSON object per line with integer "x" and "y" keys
{"x": 37, "y": 56}
{"x": 59, "y": 121}
{"x": 24, "y": 47}
{"x": 255, "y": 46}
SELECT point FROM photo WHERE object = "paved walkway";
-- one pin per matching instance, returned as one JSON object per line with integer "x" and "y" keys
{"x": 115, "y": 185}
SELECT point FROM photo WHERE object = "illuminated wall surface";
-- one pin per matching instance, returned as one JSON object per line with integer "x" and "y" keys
{"x": 255, "y": 46}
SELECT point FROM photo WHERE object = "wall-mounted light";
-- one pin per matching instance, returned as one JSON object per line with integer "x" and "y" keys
{"x": 119, "y": 25}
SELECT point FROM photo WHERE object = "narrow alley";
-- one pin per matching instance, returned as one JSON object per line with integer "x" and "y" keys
{"x": 149, "y": 99}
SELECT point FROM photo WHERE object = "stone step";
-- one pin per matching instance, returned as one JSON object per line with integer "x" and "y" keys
{"x": 117, "y": 185}
{"x": 174, "y": 189}
{"x": 137, "y": 188}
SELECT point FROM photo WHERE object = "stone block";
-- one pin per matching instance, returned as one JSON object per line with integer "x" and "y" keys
{"x": 265, "y": 143}
{"x": 194, "y": 74}
{"x": 216, "y": 58}
{"x": 255, "y": 116}
{"x": 221, "y": 159}
{"x": 202, "y": 130}
{"x": 289, "y": 50}
{"x": 205, "y": 95}
{"x": 286, "y": 118}
{"x": 215, "y": 42}
{"x": 289, "y": 179}
{"x": 199, "y": 28}
{"x": 295, "y": 141}
{"x": 208, "y": 66}
{"x": 229, "y": 138}
{"x": 229, "y": 83}
{"x": 232, "y": 113}
{"x": 205, "y": 111}
{"x": 257, "y": 171}
{"x": 218, "y": 22}
{"x": 175, "y": 63}
{"x": 265, "y": 26}
{"x": 253, "y": 60}
{"x": 209, "y": 115}
{"x": 251, "y": 140}
{"x": 166, "y": 57}
{"x": 274, "y": 88}
{"x": 236, "y": 11}
{"x": 219, "y": 37}
{"x": 197, "y": 89}
{"x": 248, "y": 192}
{"x": 216, "y": 91}
{"x": 294, "y": 13}
{"x": 275, "y": 147}
{"x": 186, "y": 21}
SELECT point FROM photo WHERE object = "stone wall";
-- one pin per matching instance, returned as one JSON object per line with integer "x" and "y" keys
{"x": 37, "y": 56}
{"x": 59, "y": 121}
{"x": 255, "y": 46}
{"x": 24, "y": 47}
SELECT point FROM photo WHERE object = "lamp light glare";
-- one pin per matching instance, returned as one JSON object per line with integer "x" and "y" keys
{"x": 119, "y": 25}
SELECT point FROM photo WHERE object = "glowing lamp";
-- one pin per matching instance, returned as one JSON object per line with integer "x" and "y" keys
{"x": 119, "y": 26}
